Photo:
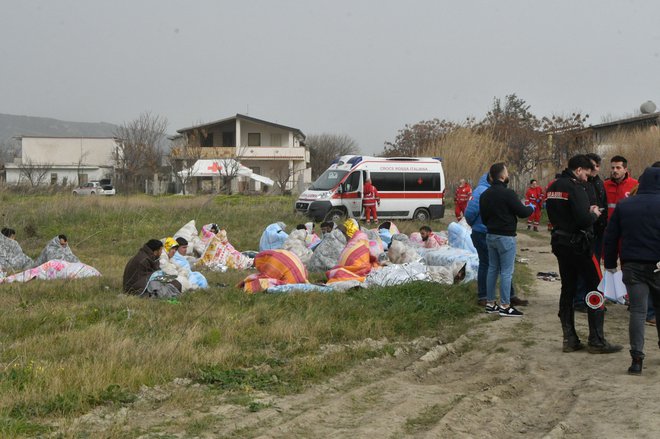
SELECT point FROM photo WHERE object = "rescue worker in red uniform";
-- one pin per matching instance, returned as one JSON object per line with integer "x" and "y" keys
{"x": 534, "y": 197}
{"x": 573, "y": 217}
{"x": 369, "y": 201}
{"x": 461, "y": 197}
{"x": 620, "y": 183}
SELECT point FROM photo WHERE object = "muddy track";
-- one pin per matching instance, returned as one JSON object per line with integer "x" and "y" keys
{"x": 504, "y": 378}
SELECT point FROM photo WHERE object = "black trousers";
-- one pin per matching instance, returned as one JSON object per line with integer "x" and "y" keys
{"x": 573, "y": 264}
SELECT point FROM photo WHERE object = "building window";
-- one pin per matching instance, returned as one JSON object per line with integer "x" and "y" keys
{"x": 207, "y": 140}
{"x": 254, "y": 139}
{"x": 275, "y": 139}
{"x": 53, "y": 178}
{"x": 229, "y": 139}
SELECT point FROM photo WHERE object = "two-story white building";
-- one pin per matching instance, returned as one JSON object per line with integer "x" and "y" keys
{"x": 269, "y": 149}
{"x": 62, "y": 160}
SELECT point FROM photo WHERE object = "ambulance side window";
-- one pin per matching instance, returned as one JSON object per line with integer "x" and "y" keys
{"x": 352, "y": 183}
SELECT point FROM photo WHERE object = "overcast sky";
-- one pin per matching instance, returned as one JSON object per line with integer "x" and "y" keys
{"x": 362, "y": 68}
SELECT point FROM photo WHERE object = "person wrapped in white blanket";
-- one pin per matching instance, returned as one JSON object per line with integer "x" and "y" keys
{"x": 170, "y": 267}
{"x": 180, "y": 258}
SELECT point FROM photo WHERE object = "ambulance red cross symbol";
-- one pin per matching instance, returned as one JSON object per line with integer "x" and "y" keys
{"x": 215, "y": 167}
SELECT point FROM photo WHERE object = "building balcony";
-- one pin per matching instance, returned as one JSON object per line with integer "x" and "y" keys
{"x": 256, "y": 153}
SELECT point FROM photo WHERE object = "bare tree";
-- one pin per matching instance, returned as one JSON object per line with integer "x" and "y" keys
{"x": 230, "y": 166}
{"x": 183, "y": 156}
{"x": 138, "y": 155}
{"x": 34, "y": 172}
{"x": 323, "y": 148}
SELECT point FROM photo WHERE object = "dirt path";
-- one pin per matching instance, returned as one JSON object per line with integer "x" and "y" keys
{"x": 505, "y": 378}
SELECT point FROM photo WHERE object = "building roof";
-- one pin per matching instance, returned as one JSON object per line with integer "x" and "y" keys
{"x": 246, "y": 118}
{"x": 628, "y": 121}
{"x": 25, "y": 136}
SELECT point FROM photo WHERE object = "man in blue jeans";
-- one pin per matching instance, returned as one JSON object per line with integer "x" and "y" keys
{"x": 479, "y": 240}
{"x": 633, "y": 234}
{"x": 500, "y": 209}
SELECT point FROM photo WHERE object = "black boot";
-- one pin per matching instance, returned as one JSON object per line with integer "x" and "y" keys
{"x": 637, "y": 360}
{"x": 571, "y": 341}
{"x": 597, "y": 342}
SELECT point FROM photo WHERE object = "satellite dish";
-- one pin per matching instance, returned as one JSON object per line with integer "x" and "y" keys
{"x": 647, "y": 107}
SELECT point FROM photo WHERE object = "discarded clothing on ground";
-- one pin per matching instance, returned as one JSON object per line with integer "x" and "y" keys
{"x": 54, "y": 250}
{"x": 273, "y": 237}
{"x": 12, "y": 258}
{"x": 54, "y": 269}
{"x": 326, "y": 255}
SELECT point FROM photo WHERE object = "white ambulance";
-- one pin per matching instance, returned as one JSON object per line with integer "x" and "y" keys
{"x": 408, "y": 188}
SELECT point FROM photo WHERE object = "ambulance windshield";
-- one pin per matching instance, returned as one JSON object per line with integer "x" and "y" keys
{"x": 328, "y": 180}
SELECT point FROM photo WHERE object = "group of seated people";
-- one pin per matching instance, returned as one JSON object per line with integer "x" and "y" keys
{"x": 162, "y": 269}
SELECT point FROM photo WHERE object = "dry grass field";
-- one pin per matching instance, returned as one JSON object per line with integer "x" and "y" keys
{"x": 69, "y": 346}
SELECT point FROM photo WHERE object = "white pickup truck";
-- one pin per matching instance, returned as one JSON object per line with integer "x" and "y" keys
{"x": 94, "y": 188}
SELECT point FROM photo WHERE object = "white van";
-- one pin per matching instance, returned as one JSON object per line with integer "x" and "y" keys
{"x": 408, "y": 188}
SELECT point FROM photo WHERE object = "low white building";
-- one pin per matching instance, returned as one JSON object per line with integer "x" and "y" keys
{"x": 62, "y": 160}
{"x": 267, "y": 148}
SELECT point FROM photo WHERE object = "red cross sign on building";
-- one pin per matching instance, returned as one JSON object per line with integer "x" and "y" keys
{"x": 215, "y": 167}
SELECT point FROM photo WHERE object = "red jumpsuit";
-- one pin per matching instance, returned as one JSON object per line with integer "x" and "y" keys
{"x": 618, "y": 191}
{"x": 369, "y": 201}
{"x": 461, "y": 197}
{"x": 534, "y": 197}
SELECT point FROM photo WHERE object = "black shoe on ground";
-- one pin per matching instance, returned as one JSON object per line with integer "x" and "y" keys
{"x": 482, "y": 302}
{"x": 492, "y": 309}
{"x": 572, "y": 347}
{"x": 606, "y": 348}
{"x": 517, "y": 301}
{"x": 510, "y": 312}
{"x": 636, "y": 366}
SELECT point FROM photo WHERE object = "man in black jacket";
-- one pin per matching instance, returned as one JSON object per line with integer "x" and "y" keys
{"x": 597, "y": 196}
{"x": 500, "y": 209}
{"x": 635, "y": 229}
{"x": 573, "y": 217}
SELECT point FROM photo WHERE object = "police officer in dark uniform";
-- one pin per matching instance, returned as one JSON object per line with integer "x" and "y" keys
{"x": 573, "y": 217}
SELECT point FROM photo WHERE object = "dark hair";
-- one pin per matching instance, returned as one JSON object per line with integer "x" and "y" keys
{"x": 533, "y": 180}
{"x": 580, "y": 161}
{"x": 301, "y": 227}
{"x": 620, "y": 158}
{"x": 8, "y": 232}
{"x": 656, "y": 164}
{"x": 154, "y": 244}
{"x": 63, "y": 238}
{"x": 215, "y": 228}
{"x": 595, "y": 157}
{"x": 181, "y": 241}
{"x": 496, "y": 171}
{"x": 425, "y": 229}
{"x": 328, "y": 224}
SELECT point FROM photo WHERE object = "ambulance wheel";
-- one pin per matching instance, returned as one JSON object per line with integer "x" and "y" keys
{"x": 422, "y": 214}
{"x": 335, "y": 215}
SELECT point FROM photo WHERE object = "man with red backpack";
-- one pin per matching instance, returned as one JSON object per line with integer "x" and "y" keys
{"x": 369, "y": 201}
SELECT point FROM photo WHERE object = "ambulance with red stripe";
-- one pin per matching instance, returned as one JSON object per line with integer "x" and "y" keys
{"x": 409, "y": 188}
